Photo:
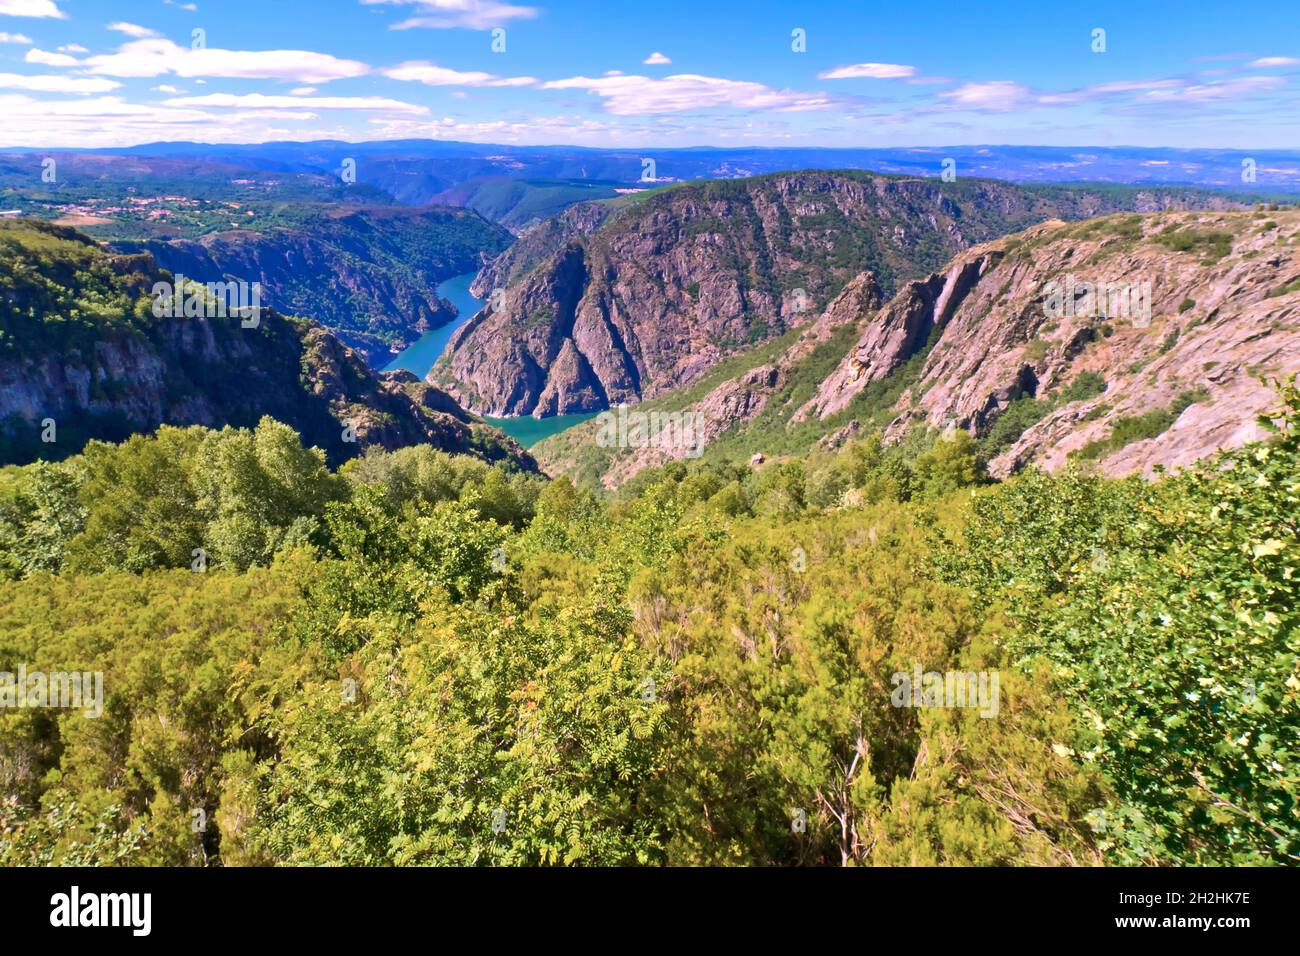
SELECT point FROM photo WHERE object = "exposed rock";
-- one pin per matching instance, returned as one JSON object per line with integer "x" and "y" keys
{"x": 111, "y": 375}
{"x": 1216, "y": 325}
{"x": 653, "y": 293}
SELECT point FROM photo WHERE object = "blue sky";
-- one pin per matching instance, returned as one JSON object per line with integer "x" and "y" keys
{"x": 105, "y": 72}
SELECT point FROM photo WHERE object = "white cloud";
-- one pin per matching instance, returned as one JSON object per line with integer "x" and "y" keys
{"x": 56, "y": 84}
{"x": 302, "y": 91}
{"x": 1002, "y": 96}
{"x": 49, "y": 59}
{"x": 265, "y": 102}
{"x": 191, "y": 7}
{"x": 997, "y": 96}
{"x": 72, "y": 48}
{"x": 656, "y": 59}
{"x": 1225, "y": 90}
{"x": 133, "y": 30}
{"x": 1265, "y": 62}
{"x": 641, "y": 95}
{"x": 111, "y": 121}
{"x": 421, "y": 71}
{"x": 458, "y": 14}
{"x": 873, "y": 71}
{"x": 156, "y": 57}
{"x": 15, "y": 38}
{"x": 168, "y": 88}
{"x": 31, "y": 8}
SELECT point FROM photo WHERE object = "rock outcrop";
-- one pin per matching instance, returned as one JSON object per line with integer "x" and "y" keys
{"x": 623, "y": 301}
{"x": 119, "y": 369}
{"x": 368, "y": 274}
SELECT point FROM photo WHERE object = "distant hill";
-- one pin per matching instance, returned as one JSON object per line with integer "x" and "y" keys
{"x": 81, "y": 348}
{"x": 518, "y": 203}
{"x": 368, "y": 273}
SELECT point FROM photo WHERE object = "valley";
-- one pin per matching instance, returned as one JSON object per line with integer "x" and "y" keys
{"x": 761, "y": 513}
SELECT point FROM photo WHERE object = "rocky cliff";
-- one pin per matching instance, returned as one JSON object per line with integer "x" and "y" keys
{"x": 1213, "y": 306}
{"x": 80, "y": 347}
{"x": 369, "y": 274}
{"x": 650, "y": 292}
{"x": 1123, "y": 343}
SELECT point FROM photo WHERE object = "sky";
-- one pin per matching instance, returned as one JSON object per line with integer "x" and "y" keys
{"x": 665, "y": 73}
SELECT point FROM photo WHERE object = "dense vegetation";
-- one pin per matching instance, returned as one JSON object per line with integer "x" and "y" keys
{"x": 82, "y": 352}
{"x": 368, "y": 271}
{"x": 421, "y": 658}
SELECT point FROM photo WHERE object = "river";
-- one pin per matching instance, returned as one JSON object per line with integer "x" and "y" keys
{"x": 421, "y": 355}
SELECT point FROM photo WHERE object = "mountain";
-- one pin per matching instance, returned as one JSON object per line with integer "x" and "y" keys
{"x": 644, "y": 297}
{"x": 414, "y": 171}
{"x": 1163, "y": 376}
{"x": 80, "y": 346}
{"x": 368, "y": 273}
{"x": 520, "y": 203}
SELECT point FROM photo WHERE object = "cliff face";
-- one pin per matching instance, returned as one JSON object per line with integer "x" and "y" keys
{"x": 1173, "y": 318}
{"x": 538, "y": 243}
{"x": 1214, "y": 306}
{"x": 647, "y": 295}
{"x": 118, "y": 370}
{"x": 1160, "y": 364}
{"x": 369, "y": 274}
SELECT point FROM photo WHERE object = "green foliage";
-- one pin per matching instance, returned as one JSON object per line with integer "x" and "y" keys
{"x": 1212, "y": 245}
{"x": 59, "y": 292}
{"x": 485, "y": 739}
{"x": 1128, "y": 429}
{"x": 1168, "y": 611}
{"x": 465, "y": 666}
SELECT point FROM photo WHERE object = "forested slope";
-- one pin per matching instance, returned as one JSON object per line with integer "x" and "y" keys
{"x": 426, "y": 659}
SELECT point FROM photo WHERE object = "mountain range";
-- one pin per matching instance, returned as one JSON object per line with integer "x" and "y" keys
{"x": 620, "y": 301}
{"x": 1170, "y": 364}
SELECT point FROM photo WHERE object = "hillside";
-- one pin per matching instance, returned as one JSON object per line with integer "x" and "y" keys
{"x": 367, "y": 273}
{"x": 973, "y": 347}
{"x": 520, "y": 203}
{"x": 669, "y": 283}
{"x": 79, "y": 344}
